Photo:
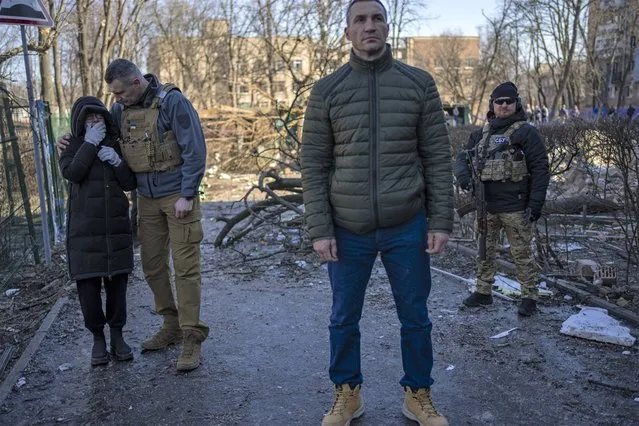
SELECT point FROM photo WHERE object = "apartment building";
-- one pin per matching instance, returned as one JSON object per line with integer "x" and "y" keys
{"x": 256, "y": 73}
{"x": 613, "y": 29}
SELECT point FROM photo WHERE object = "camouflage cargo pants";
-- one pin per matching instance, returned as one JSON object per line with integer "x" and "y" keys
{"x": 519, "y": 232}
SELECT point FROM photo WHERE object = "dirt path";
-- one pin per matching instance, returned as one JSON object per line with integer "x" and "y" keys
{"x": 266, "y": 360}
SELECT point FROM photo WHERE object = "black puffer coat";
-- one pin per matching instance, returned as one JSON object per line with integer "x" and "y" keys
{"x": 99, "y": 240}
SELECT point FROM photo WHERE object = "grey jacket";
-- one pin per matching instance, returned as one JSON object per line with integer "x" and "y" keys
{"x": 177, "y": 114}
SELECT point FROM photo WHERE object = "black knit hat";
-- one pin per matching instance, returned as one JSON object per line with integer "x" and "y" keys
{"x": 505, "y": 90}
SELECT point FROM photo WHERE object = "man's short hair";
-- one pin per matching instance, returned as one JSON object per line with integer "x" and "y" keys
{"x": 121, "y": 69}
{"x": 350, "y": 5}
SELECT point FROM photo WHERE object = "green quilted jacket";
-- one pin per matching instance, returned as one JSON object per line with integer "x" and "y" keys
{"x": 375, "y": 150}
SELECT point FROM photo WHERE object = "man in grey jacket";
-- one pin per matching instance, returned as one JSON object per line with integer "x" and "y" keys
{"x": 163, "y": 143}
{"x": 377, "y": 178}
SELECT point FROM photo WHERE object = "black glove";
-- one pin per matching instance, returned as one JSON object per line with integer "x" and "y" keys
{"x": 532, "y": 214}
{"x": 466, "y": 185}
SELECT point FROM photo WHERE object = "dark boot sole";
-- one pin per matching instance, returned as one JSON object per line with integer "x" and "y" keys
{"x": 477, "y": 304}
{"x": 121, "y": 357}
{"x": 99, "y": 361}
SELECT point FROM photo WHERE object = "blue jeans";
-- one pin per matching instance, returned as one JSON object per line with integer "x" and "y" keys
{"x": 408, "y": 268}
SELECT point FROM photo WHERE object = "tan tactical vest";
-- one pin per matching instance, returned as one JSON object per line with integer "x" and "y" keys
{"x": 143, "y": 148}
{"x": 501, "y": 162}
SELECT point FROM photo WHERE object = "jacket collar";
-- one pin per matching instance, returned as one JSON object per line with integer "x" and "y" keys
{"x": 380, "y": 64}
{"x": 149, "y": 93}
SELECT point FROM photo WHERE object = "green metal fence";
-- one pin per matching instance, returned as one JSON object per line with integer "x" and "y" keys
{"x": 21, "y": 238}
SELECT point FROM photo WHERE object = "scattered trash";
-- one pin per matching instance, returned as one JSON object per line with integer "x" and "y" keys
{"x": 130, "y": 407}
{"x": 509, "y": 287}
{"x": 64, "y": 367}
{"x": 567, "y": 298}
{"x": 625, "y": 353}
{"x": 303, "y": 265}
{"x": 21, "y": 382}
{"x": 12, "y": 292}
{"x": 503, "y": 333}
{"x": 450, "y": 368}
{"x": 288, "y": 215}
{"x": 595, "y": 324}
{"x": 568, "y": 247}
{"x": 636, "y": 399}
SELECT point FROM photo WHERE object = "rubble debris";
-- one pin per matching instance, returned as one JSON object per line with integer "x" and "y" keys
{"x": 586, "y": 268}
{"x": 512, "y": 288}
{"x": 606, "y": 275}
{"x": 450, "y": 368}
{"x": 595, "y": 324}
{"x": 503, "y": 333}
{"x": 12, "y": 292}
{"x": 64, "y": 367}
{"x": 21, "y": 382}
{"x": 623, "y": 302}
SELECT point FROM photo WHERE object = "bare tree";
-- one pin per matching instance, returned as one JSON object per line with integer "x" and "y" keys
{"x": 402, "y": 14}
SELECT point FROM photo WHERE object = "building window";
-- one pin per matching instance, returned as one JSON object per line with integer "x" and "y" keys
{"x": 279, "y": 65}
{"x": 297, "y": 65}
{"x": 244, "y": 89}
{"x": 279, "y": 86}
{"x": 471, "y": 62}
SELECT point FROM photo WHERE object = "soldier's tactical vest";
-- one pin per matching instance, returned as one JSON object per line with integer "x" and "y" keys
{"x": 143, "y": 148}
{"x": 502, "y": 161}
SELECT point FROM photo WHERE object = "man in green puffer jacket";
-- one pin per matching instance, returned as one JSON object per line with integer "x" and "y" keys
{"x": 377, "y": 177}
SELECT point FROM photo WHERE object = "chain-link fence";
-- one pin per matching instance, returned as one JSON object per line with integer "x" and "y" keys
{"x": 21, "y": 237}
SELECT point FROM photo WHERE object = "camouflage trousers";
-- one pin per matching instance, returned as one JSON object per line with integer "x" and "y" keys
{"x": 519, "y": 232}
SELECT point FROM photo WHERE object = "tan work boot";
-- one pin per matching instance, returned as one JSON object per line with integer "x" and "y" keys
{"x": 418, "y": 406}
{"x": 190, "y": 357}
{"x": 169, "y": 334}
{"x": 348, "y": 405}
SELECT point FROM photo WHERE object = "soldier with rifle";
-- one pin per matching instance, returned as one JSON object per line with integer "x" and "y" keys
{"x": 506, "y": 166}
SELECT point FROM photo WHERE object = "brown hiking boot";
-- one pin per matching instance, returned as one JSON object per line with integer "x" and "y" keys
{"x": 169, "y": 334}
{"x": 348, "y": 405}
{"x": 190, "y": 357}
{"x": 418, "y": 406}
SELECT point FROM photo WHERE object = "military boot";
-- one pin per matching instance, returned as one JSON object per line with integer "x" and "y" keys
{"x": 169, "y": 334}
{"x": 527, "y": 307}
{"x": 478, "y": 299}
{"x": 348, "y": 405}
{"x": 190, "y": 357}
{"x": 99, "y": 355}
{"x": 119, "y": 348}
{"x": 418, "y": 406}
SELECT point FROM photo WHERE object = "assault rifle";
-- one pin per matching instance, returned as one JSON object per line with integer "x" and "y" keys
{"x": 480, "y": 201}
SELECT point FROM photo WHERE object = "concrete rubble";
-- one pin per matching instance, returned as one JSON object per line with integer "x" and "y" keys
{"x": 595, "y": 324}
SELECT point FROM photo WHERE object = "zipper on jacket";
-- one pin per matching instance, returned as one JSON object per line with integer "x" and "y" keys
{"x": 106, "y": 215}
{"x": 373, "y": 142}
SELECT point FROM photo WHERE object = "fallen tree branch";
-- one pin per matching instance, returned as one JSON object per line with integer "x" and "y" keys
{"x": 259, "y": 206}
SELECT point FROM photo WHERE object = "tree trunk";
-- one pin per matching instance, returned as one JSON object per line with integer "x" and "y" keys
{"x": 46, "y": 92}
{"x": 83, "y": 48}
{"x": 57, "y": 72}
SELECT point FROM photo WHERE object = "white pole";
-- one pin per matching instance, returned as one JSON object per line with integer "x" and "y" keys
{"x": 36, "y": 152}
